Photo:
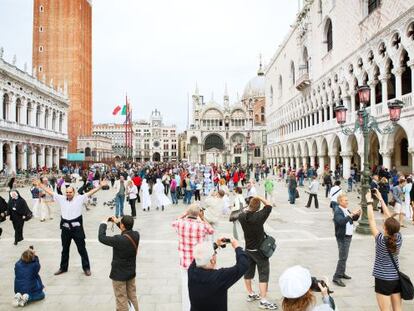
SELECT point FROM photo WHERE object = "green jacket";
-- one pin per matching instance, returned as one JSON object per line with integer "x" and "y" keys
{"x": 269, "y": 186}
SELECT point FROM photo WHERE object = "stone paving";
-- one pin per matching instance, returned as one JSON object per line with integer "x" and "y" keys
{"x": 304, "y": 236}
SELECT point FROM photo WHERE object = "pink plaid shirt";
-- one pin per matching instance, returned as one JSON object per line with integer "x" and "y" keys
{"x": 190, "y": 233}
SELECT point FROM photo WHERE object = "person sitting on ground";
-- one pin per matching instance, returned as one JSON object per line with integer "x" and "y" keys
{"x": 295, "y": 286}
{"x": 28, "y": 285}
{"x": 207, "y": 285}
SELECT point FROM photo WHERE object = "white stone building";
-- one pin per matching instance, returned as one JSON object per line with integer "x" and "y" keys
{"x": 96, "y": 148}
{"x": 152, "y": 140}
{"x": 332, "y": 48}
{"x": 229, "y": 133}
{"x": 33, "y": 120}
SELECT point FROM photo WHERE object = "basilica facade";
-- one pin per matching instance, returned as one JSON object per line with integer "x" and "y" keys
{"x": 229, "y": 133}
{"x": 322, "y": 62}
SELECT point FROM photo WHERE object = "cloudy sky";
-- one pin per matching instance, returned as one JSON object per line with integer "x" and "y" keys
{"x": 157, "y": 50}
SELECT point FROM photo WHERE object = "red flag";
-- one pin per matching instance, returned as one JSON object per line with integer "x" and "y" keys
{"x": 116, "y": 110}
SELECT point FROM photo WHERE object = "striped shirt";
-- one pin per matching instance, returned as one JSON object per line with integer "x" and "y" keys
{"x": 383, "y": 266}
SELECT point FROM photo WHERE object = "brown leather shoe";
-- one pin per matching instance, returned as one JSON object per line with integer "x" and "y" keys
{"x": 88, "y": 272}
{"x": 60, "y": 272}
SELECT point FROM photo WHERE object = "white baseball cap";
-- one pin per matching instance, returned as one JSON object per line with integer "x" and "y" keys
{"x": 295, "y": 282}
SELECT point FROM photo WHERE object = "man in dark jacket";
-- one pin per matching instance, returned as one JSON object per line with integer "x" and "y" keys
{"x": 207, "y": 286}
{"x": 125, "y": 247}
{"x": 343, "y": 220}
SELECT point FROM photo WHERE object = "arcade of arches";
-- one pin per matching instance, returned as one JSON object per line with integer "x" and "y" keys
{"x": 331, "y": 150}
{"x": 19, "y": 156}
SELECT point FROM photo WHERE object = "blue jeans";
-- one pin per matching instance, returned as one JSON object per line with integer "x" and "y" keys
{"x": 37, "y": 296}
{"x": 174, "y": 197}
{"x": 292, "y": 195}
{"x": 119, "y": 203}
{"x": 187, "y": 196}
{"x": 301, "y": 178}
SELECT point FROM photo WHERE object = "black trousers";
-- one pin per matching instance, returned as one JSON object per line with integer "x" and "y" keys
{"x": 18, "y": 230}
{"x": 197, "y": 195}
{"x": 313, "y": 195}
{"x": 133, "y": 210}
{"x": 77, "y": 235}
{"x": 138, "y": 197}
{"x": 166, "y": 189}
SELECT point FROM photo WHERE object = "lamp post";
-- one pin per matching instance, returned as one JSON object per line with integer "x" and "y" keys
{"x": 366, "y": 124}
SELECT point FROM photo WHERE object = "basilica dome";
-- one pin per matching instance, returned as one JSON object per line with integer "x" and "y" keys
{"x": 256, "y": 86}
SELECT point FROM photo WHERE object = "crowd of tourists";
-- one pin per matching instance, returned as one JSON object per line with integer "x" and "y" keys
{"x": 210, "y": 194}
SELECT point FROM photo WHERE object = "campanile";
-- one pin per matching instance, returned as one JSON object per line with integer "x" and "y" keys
{"x": 62, "y": 56}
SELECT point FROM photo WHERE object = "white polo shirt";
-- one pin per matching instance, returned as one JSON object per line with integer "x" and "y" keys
{"x": 70, "y": 209}
{"x": 349, "y": 226}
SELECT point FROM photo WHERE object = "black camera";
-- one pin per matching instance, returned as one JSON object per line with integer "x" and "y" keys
{"x": 110, "y": 219}
{"x": 31, "y": 247}
{"x": 224, "y": 240}
{"x": 373, "y": 192}
{"x": 315, "y": 288}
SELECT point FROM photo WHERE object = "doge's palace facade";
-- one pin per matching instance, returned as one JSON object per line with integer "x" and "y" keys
{"x": 33, "y": 120}
{"x": 334, "y": 47}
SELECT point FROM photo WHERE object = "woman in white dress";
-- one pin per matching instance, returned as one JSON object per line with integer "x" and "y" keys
{"x": 160, "y": 199}
{"x": 407, "y": 199}
{"x": 146, "y": 197}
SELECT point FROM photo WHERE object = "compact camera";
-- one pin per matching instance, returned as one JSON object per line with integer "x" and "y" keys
{"x": 225, "y": 241}
{"x": 315, "y": 288}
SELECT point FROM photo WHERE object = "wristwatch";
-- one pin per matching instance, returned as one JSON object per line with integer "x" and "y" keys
{"x": 370, "y": 202}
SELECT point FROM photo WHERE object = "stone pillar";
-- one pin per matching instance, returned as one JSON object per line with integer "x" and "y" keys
{"x": 321, "y": 160}
{"x": 1, "y": 147}
{"x": 373, "y": 94}
{"x": 297, "y": 162}
{"x": 12, "y": 158}
{"x": 384, "y": 86}
{"x": 398, "y": 82}
{"x": 386, "y": 158}
{"x": 304, "y": 161}
{"x": 332, "y": 161}
{"x": 24, "y": 157}
{"x": 41, "y": 156}
{"x": 353, "y": 104}
{"x": 33, "y": 114}
{"x": 286, "y": 162}
{"x": 64, "y": 123}
{"x": 1, "y": 115}
{"x": 312, "y": 160}
{"x": 12, "y": 108}
{"x": 346, "y": 164}
{"x": 411, "y": 65}
{"x": 292, "y": 162}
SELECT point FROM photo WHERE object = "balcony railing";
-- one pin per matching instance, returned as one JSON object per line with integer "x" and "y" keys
{"x": 31, "y": 130}
{"x": 303, "y": 81}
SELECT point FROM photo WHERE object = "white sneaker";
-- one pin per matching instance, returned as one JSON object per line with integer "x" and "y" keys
{"x": 24, "y": 300}
{"x": 16, "y": 300}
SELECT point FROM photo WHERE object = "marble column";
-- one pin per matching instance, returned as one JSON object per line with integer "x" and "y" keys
{"x": 12, "y": 108}
{"x": 12, "y": 158}
{"x": 23, "y": 111}
{"x": 386, "y": 158}
{"x": 346, "y": 164}
{"x": 24, "y": 157}
{"x": 332, "y": 161}
{"x": 373, "y": 94}
{"x": 1, "y": 107}
{"x": 292, "y": 162}
{"x": 41, "y": 156}
{"x": 384, "y": 87}
{"x": 321, "y": 160}
{"x": 297, "y": 162}
{"x": 1, "y": 148}
{"x": 353, "y": 104}
{"x": 304, "y": 161}
{"x": 411, "y": 65}
{"x": 398, "y": 81}
{"x": 312, "y": 160}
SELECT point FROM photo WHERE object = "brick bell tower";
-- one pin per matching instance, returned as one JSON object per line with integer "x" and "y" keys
{"x": 62, "y": 56}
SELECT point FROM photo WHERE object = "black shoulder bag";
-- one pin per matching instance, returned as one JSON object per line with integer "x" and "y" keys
{"x": 407, "y": 289}
{"x": 268, "y": 246}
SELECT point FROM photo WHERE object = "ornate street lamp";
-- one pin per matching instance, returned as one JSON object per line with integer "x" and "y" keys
{"x": 366, "y": 123}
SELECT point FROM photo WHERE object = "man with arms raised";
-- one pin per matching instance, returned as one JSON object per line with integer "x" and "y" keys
{"x": 71, "y": 223}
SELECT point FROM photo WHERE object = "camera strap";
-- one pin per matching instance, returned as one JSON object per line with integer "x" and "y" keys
{"x": 132, "y": 241}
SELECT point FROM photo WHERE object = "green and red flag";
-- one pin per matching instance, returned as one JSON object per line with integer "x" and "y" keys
{"x": 116, "y": 110}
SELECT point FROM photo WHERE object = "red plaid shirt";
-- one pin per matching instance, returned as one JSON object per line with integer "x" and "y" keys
{"x": 190, "y": 233}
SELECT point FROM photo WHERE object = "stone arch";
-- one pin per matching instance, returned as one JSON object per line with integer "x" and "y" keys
{"x": 328, "y": 34}
{"x": 6, "y": 106}
{"x": 399, "y": 142}
{"x": 88, "y": 152}
{"x": 374, "y": 157}
{"x": 406, "y": 77}
{"x": 213, "y": 141}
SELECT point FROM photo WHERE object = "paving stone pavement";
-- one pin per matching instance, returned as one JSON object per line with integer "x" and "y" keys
{"x": 304, "y": 236}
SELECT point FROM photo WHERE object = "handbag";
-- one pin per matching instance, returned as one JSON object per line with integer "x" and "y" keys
{"x": 407, "y": 288}
{"x": 268, "y": 246}
{"x": 234, "y": 215}
{"x": 28, "y": 216}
